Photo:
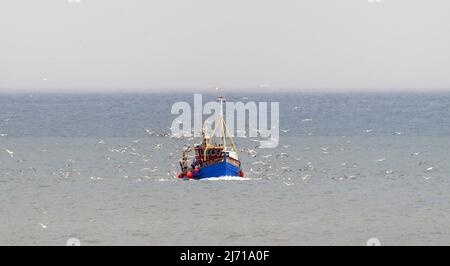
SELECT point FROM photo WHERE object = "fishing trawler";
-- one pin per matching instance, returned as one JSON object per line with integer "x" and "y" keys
{"x": 212, "y": 159}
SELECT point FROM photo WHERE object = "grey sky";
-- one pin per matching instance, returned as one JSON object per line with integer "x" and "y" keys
{"x": 145, "y": 45}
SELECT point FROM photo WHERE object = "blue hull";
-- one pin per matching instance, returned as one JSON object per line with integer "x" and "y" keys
{"x": 217, "y": 170}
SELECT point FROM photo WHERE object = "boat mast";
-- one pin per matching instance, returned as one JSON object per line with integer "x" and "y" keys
{"x": 222, "y": 122}
{"x": 206, "y": 141}
{"x": 223, "y": 128}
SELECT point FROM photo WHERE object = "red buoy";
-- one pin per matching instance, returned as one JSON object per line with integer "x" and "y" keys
{"x": 190, "y": 174}
{"x": 241, "y": 173}
{"x": 197, "y": 169}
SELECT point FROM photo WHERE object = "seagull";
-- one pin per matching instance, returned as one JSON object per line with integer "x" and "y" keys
{"x": 11, "y": 153}
{"x": 149, "y": 170}
{"x": 158, "y": 146}
{"x": 252, "y": 153}
{"x": 253, "y": 171}
{"x": 149, "y": 132}
{"x": 43, "y": 226}
{"x": 305, "y": 177}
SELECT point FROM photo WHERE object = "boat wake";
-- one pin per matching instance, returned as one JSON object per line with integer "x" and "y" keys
{"x": 227, "y": 178}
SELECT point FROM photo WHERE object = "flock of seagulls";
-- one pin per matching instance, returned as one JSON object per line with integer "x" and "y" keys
{"x": 264, "y": 166}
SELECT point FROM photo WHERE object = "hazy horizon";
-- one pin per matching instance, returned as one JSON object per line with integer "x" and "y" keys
{"x": 116, "y": 46}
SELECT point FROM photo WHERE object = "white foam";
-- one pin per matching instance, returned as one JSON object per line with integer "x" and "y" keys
{"x": 227, "y": 178}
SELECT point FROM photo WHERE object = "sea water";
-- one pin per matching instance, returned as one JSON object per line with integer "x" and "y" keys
{"x": 102, "y": 169}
